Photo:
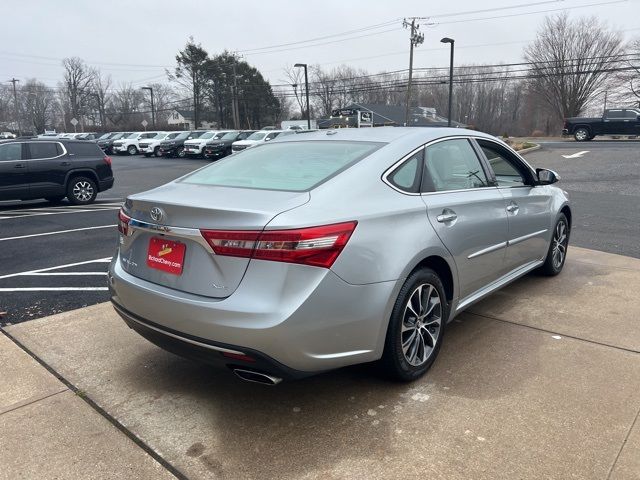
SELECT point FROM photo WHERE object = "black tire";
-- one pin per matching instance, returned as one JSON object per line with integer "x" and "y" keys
{"x": 582, "y": 134}
{"x": 132, "y": 150}
{"x": 82, "y": 191}
{"x": 156, "y": 152}
{"x": 553, "y": 264}
{"x": 56, "y": 199}
{"x": 180, "y": 153}
{"x": 395, "y": 363}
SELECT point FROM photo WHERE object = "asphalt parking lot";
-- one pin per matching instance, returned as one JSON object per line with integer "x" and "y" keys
{"x": 54, "y": 258}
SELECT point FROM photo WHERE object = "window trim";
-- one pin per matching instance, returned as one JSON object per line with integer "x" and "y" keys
{"x": 64, "y": 151}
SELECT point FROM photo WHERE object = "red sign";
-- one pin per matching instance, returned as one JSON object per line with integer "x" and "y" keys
{"x": 166, "y": 255}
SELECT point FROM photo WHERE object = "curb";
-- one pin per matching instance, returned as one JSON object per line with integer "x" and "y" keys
{"x": 530, "y": 149}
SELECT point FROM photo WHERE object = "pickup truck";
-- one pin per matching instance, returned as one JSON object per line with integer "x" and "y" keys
{"x": 615, "y": 121}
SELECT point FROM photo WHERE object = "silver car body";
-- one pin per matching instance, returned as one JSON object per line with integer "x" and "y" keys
{"x": 307, "y": 318}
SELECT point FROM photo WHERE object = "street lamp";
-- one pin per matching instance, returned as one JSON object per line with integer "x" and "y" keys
{"x": 452, "y": 42}
{"x": 153, "y": 113}
{"x": 306, "y": 85}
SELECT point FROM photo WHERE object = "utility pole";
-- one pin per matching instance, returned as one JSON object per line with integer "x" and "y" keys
{"x": 153, "y": 111}
{"x": 15, "y": 103}
{"x": 415, "y": 39}
{"x": 234, "y": 98}
{"x": 306, "y": 86}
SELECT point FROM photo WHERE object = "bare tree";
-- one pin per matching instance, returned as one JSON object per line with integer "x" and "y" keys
{"x": 165, "y": 100}
{"x": 76, "y": 86}
{"x": 571, "y": 62}
{"x": 629, "y": 78}
{"x": 295, "y": 78}
{"x": 101, "y": 96}
{"x": 124, "y": 109}
{"x": 38, "y": 104}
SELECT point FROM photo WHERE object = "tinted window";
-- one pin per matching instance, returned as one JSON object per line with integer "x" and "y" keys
{"x": 407, "y": 176}
{"x": 11, "y": 151}
{"x": 294, "y": 166}
{"x": 43, "y": 150}
{"x": 631, "y": 114}
{"x": 85, "y": 149}
{"x": 453, "y": 165}
{"x": 503, "y": 165}
{"x": 615, "y": 114}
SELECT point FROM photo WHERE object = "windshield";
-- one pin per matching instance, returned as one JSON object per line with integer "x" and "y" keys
{"x": 133, "y": 135}
{"x": 193, "y": 135}
{"x": 257, "y": 136}
{"x": 292, "y": 166}
{"x": 204, "y": 136}
{"x": 219, "y": 135}
{"x": 159, "y": 136}
{"x": 104, "y": 135}
{"x": 118, "y": 136}
{"x": 182, "y": 136}
{"x": 229, "y": 136}
{"x": 171, "y": 136}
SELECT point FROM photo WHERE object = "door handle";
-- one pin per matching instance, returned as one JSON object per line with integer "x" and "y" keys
{"x": 512, "y": 207}
{"x": 19, "y": 165}
{"x": 65, "y": 164}
{"x": 446, "y": 216}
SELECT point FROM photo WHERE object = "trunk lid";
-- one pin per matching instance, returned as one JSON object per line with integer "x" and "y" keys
{"x": 184, "y": 210}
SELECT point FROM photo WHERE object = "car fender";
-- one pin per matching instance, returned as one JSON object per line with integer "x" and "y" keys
{"x": 81, "y": 171}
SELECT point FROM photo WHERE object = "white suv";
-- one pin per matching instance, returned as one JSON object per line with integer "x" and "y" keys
{"x": 194, "y": 146}
{"x": 130, "y": 144}
{"x": 151, "y": 146}
{"x": 258, "y": 137}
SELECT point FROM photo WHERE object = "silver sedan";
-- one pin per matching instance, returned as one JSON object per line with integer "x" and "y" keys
{"x": 333, "y": 248}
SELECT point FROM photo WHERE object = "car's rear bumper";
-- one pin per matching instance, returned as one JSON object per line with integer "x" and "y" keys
{"x": 206, "y": 351}
{"x": 105, "y": 184}
{"x": 305, "y": 318}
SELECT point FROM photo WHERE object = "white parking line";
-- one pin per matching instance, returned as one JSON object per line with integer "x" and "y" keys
{"x": 61, "y": 274}
{"x": 9, "y": 214}
{"x": 99, "y": 260}
{"x": 55, "y": 289}
{"x": 57, "y": 232}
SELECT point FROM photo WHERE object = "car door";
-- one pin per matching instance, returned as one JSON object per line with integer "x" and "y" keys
{"x": 528, "y": 206}
{"x": 633, "y": 122}
{"x": 614, "y": 122}
{"x": 14, "y": 172}
{"x": 48, "y": 167}
{"x": 466, "y": 210}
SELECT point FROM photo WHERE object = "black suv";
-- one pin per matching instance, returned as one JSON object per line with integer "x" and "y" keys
{"x": 175, "y": 146}
{"x": 53, "y": 169}
{"x": 222, "y": 147}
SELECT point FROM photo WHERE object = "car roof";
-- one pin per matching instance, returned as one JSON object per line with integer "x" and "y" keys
{"x": 383, "y": 134}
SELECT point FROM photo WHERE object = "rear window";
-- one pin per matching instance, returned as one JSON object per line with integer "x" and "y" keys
{"x": 84, "y": 149}
{"x": 291, "y": 166}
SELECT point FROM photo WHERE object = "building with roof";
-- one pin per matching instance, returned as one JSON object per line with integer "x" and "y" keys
{"x": 384, "y": 115}
{"x": 185, "y": 120}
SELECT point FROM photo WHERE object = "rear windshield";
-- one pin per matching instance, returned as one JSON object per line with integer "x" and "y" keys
{"x": 291, "y": 166}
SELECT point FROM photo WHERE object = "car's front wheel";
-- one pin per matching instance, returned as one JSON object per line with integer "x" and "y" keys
{"x": 180, "y": 152}
{"x": 557, "y": 253}
{"x": 582, "y": 135}
{"x": 416, "y": 327}
{"x": 81, "y": 191}
{"x": 156, "y": 152}
{"x": 132, "y": 150}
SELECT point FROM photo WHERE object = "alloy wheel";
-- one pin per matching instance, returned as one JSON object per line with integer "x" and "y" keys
{"x": 421, "y": 324}
{"x": 83, "y": 191}
{"x": 560, "y": 240}
{"x": 581, "y": 134}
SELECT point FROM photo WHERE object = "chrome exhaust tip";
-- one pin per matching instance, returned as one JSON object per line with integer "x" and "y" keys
{"x": 256, "y": 377}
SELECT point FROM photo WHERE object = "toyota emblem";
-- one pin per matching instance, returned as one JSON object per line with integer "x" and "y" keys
{"x": 157, "y": 214}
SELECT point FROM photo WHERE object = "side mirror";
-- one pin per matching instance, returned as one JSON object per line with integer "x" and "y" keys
{"x": 267, "y": 139}
{"x": 546, "y": 177}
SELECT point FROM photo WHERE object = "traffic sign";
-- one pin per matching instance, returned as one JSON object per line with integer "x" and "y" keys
{"x": 74, "y": 122}
{"x": 144, "y": 123}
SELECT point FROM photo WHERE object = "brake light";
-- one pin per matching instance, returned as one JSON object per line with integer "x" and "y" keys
{"x": 315, "y": 246}
{"x": 123, "y": 223}
{"x": 107, "y": 160}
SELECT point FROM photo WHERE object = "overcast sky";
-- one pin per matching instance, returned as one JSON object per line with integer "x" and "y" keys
{"x": 134, "y": 40}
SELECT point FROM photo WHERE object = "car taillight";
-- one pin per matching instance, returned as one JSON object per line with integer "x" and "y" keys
{"x": 107, "y": 160}
{"x": 123, "y": 223}
{"x": 316, "y": 246}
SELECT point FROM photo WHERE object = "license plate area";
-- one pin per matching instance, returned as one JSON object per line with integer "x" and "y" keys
{"x": 166, "y": 255}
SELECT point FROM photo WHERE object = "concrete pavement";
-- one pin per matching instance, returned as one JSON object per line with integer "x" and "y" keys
{"x": 541, "y": 380}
